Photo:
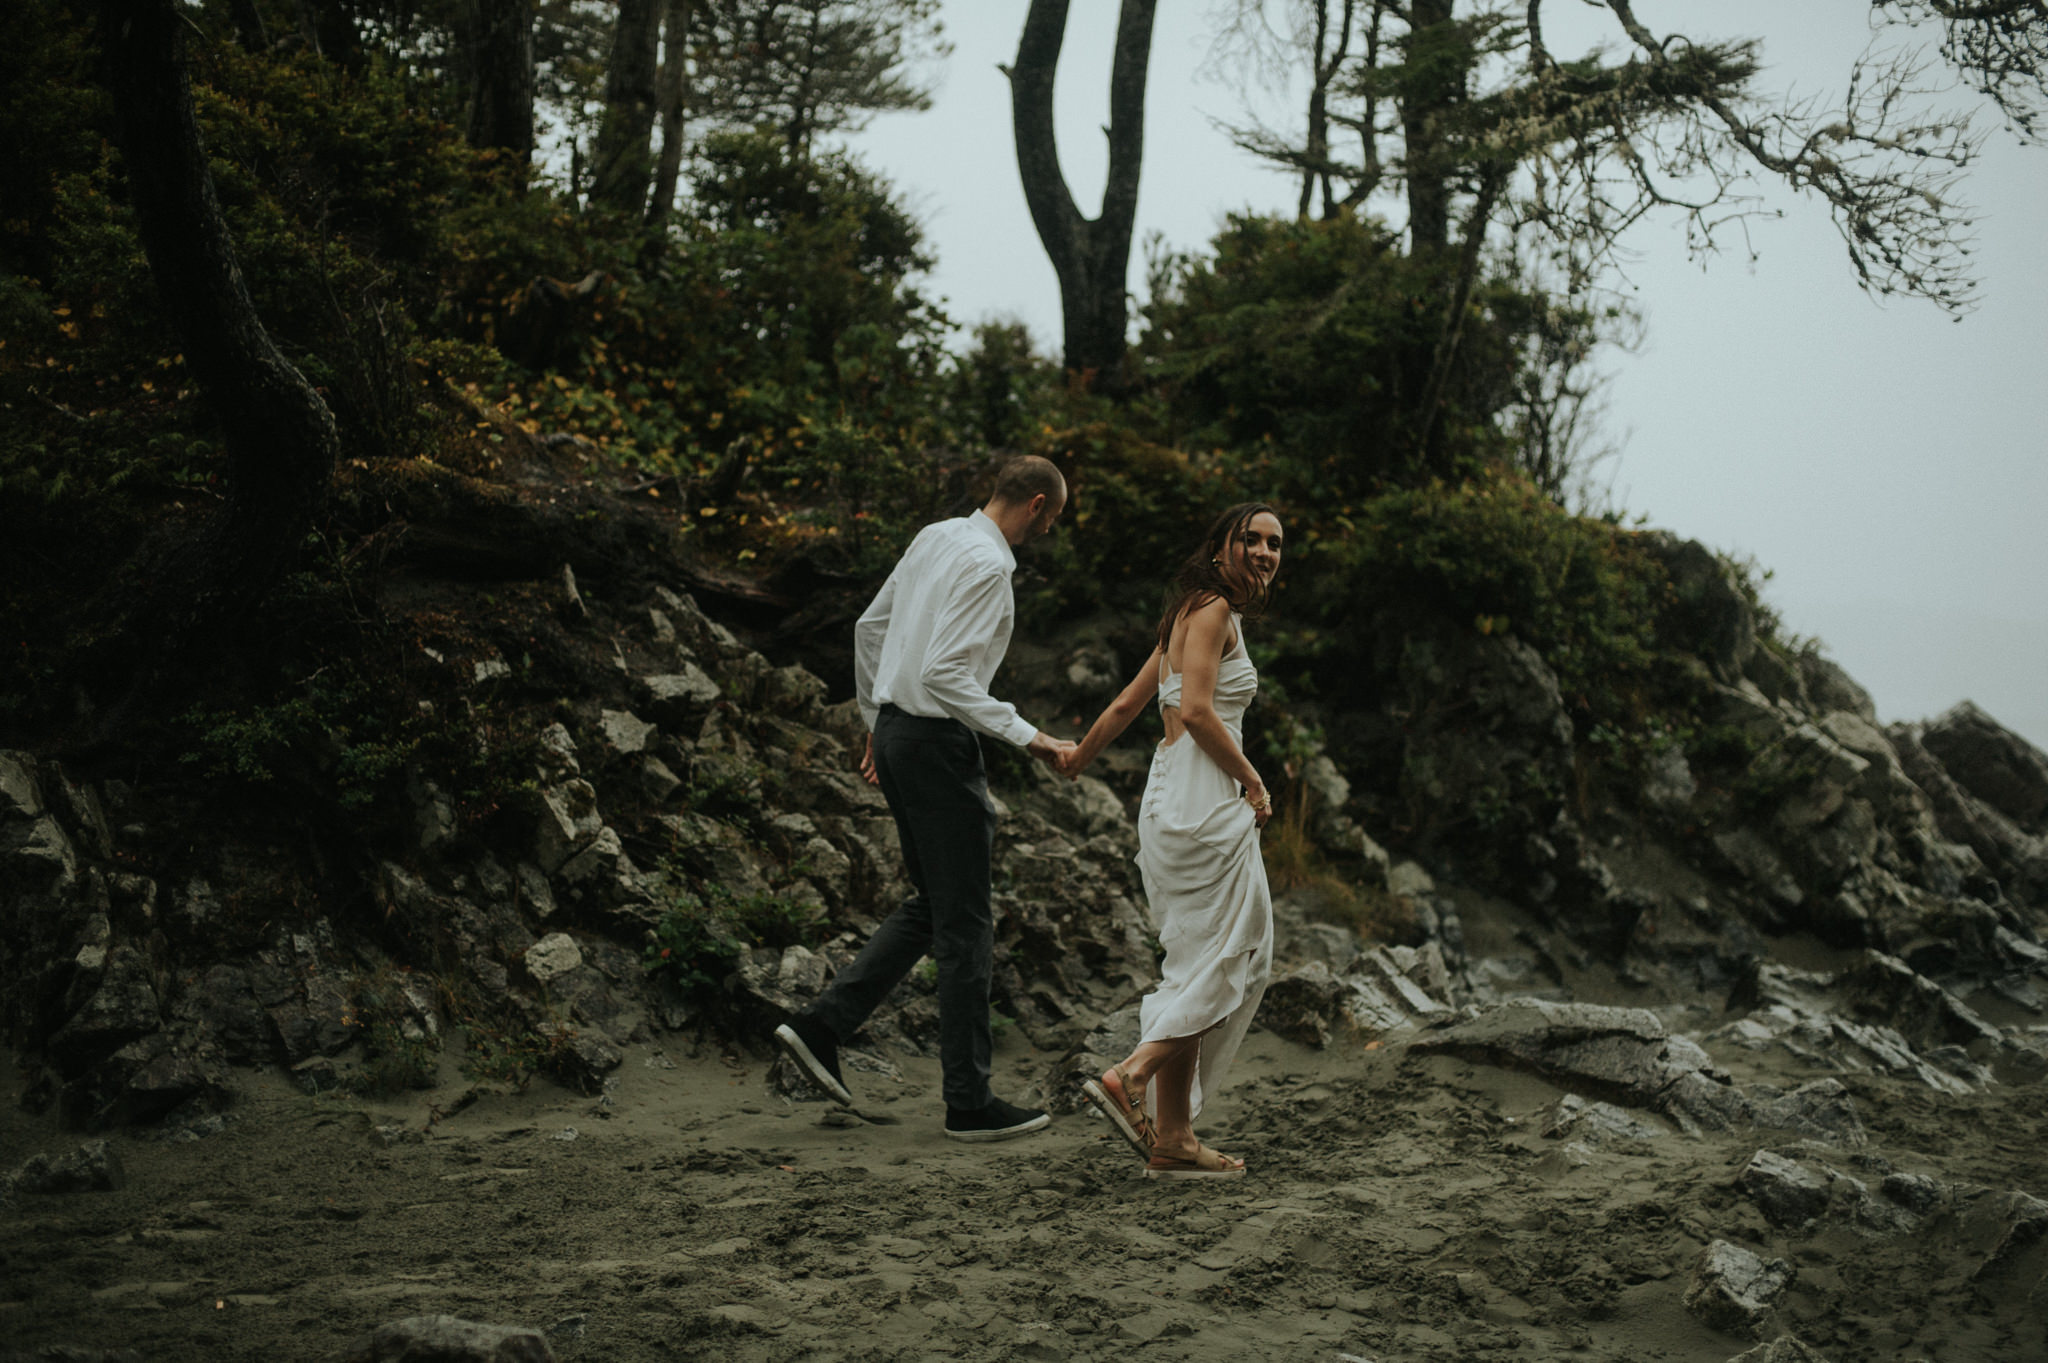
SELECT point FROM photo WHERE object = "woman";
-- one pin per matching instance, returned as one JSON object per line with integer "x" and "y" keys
{"x": 1198, "y": 839}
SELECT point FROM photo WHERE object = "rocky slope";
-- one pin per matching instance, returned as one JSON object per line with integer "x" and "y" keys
{"x": 1803, "y": 943}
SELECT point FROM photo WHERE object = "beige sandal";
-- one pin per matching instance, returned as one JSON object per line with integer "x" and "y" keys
{"x": 1205, "y": 1163}
{"x": 1111, "y": 1095}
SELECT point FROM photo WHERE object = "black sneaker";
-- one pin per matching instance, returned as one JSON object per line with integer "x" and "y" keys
{"x": 997, "y": 1122}
{"x": 816, "y": 1051}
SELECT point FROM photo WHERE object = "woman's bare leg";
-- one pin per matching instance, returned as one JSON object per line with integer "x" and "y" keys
{"x": 1164, "y": 1071}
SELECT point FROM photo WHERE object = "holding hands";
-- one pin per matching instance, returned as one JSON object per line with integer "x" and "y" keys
{"x": 1054, "y": 752}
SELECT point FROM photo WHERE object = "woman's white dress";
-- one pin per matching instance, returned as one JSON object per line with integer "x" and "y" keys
{"x": 1198, "y": 850}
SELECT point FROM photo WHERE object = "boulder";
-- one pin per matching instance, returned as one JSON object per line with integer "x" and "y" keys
{"x": 91, "y": 1167}
{"x": 557, "y": 753}
{"x": 1709, "y": 610}
{"x": 1668, "y": 784}
{"x": 624, "y": 732}
{"x": 1992, "y": 763}
{"x": 1580, "y": 1120}
{"x": 568, "y": 822}
{"x": 679, "y": 701}
{"x": 448, "y": 1339}
{"x": 553, "y": 955}
{"x": 1831, "y": 688}
{"x": 1788, "y": 1193}
{"x": 2011, "y": 852}
{"x": 1621, "y": 1054}
{"x": 1819, "y": 1108}
{"x": 1750, "y": 855}
{"x": 1733, "y": 1290}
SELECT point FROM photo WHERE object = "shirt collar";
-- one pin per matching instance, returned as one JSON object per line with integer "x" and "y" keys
{"x": 982, "y": 520}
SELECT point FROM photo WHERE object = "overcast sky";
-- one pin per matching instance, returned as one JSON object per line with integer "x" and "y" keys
{"x": 1884, "y": 461}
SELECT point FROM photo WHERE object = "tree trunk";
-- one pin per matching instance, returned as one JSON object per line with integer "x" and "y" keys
{"x": 620, "y": 168}
{"x": 281, "y": 439}
{"x": 672, "y": 94}
{"x": 1429, "y": 87}
{"x": 331, "y": 27}
{"x": 501, "y": 72}
{"x": 1090, "y": 256}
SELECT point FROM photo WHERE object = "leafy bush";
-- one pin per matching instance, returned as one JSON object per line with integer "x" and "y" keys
{"x": 701, "y": 934}
{"x": 1494, "y": 551}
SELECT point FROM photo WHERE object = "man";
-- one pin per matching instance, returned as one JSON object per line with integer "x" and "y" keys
{"x": 925, "y": 652}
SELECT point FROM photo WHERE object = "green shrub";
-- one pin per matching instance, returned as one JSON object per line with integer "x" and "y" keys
{"x": 701, "y": 934}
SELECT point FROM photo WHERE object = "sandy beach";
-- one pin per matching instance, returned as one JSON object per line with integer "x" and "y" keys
{"x": 1399, "y": 1207}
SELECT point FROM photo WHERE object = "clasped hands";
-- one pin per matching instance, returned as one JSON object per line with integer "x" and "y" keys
{"x": 1058, "y": 754}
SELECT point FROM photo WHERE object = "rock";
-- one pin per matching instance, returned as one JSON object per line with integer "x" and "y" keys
{"x": 2017, "y": 856}
{"x": 123, "y": 1007}
{"x": 92, "y": 1167}
{"x": 603, "y": 869}
{"x": 802, "y": 973}
{"x": 1783, "y": 1349}
{"x": 2013, "y": 1260}
{"x": 1574, "y": 1116}
{"x": 1622, "y": 1054}
{"x": 1820, "y": 1108}
{"x": 1313, "y": 1005}
{"x": 657, "y": 782}
{"x": 578, "y": 1060}
{"x": 534, "y": 889}
{"x": 679, "y": 701}
{"x": 715, "y": 852}
{"x": 1709, "y": 612}
{"x": 1733, "y": 1290}
{"x": 21, "y": 796}
{"x": 557, "y": 753}
{"x": 1885, "y": 989}
{"x": 1992, "y": 763}
{"x": 1788, "y": 1193}
{"x": 792, "y": 690}
{"x": 568, "y": 822}
{"x": 624, "y": 732}
{"x": 1751, "y": 856}
{"x": 433, "y": 812}
{"x": 1668, "y": 783}
{"x": 447, "y": 1339}
{"x": 554, "y": 954}
{"x": 696, "y": 630}
{"x": 1830, "y": 688}
{"x": 1916, "y": 1193}
{"x": 1804, "y": 1013}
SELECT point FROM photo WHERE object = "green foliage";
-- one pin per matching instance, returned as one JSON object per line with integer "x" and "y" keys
{"x": 700, "y": 935}
{"x": 1312, "y": 343}
{"x": 398, "y": 1054}
{"x": 352, "y": 742}
{"x": 1495, "y": 552}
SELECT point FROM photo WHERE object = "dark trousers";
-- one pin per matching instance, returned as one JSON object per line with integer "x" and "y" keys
{"x": 933, "y": 779}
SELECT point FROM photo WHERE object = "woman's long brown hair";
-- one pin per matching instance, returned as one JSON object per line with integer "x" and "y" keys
{"x": 1201, "y": 578}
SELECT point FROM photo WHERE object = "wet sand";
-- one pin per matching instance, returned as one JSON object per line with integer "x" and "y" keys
{"x": 1398, "y": 1208}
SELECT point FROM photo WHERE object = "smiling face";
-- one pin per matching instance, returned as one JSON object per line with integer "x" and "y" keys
{"x": 1252, "y": 553}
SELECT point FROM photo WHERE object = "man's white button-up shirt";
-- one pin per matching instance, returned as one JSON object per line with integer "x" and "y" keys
{"x": 933, "y": 637}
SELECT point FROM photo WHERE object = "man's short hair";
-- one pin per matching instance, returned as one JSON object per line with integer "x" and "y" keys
{"x": 1026, "y": 477}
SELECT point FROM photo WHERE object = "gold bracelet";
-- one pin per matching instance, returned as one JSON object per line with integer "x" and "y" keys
{"x": 1263, "y": 805}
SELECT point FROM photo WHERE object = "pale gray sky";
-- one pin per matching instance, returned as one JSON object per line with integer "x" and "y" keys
{"x": 1885, "y": 462}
